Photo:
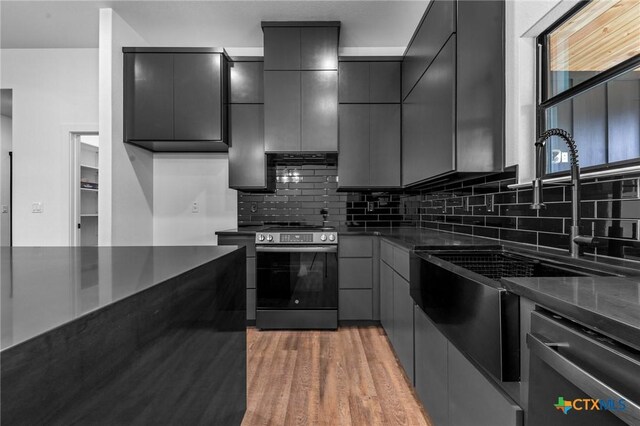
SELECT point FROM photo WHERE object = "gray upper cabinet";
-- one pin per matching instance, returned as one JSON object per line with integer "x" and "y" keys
{"x": 246, "y": 82}
{"x": 282, "y": 111}
{"x": 369, "y": 82}
{"x": 197, "y": 91}
{"x": 319, "y": 48}
{"x": 428, "y": 121}
{"x": 354, "y": 82}
{"x": 281, "y": 48}
{"x": 437, "y": 26}
{"x": 369, "y": 146}
{"x": 175, "y": 99}
{"x": 353, "y": 167}
{"x": 384, "y": 145}
{"x": 319, "y": 111}
{"x": 247, "y": 159}
{"x": 148, "y": 96}
{"x": 384, "y": 82}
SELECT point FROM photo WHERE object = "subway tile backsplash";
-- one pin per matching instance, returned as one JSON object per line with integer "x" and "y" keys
{"x": 485, "y": 207}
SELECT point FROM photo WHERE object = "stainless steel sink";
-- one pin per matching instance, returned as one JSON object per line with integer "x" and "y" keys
{"x": 501, "y": 263}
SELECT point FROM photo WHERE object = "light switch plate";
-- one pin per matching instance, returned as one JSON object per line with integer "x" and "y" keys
{"x": 37, "y": 207}
{"x": 5, "y": 209}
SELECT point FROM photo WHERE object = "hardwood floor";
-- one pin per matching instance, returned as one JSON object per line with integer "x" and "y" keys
{"x": 348, "y": 377}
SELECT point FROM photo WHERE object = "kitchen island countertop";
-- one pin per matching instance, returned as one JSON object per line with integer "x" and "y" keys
{"x": 46, "y": 287}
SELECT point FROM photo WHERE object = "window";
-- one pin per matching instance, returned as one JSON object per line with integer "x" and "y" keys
{"x": 589, "y": 83}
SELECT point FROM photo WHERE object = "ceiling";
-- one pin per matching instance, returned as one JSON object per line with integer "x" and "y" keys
{"x": 368, "y": 27}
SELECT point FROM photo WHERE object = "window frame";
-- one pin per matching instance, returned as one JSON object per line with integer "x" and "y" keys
{"x": 543, "y": 103}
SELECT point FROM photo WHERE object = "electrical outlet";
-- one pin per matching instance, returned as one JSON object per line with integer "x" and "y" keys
{"x": 565, "y": 157}
{"x": 37, "y": 207}
{"x": 371, "y": 206}
{"x": 195, "y": 208}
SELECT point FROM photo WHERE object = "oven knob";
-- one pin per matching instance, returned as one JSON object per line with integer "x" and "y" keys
{"x": 260, "y": 237}
{"x": 269, "y": 237}
{"x": 323, "y": 237}
{"x": 332, "y": 237}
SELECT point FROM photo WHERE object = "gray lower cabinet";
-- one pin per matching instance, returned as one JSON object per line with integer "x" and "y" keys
{"x": 431, "y": 380}
{"x": 403, "y": 324}
{"x": 473, "y": 399}
{"x": 356, "y": 278}
{"x": 386, "y": 299}
{"x": 248, "y": 242}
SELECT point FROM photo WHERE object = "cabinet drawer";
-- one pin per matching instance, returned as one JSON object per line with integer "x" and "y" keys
{"x": 356, "y": 304}
{"x": 356, "y": 246}
{"x": 401, "y": 262}
{"x": 251, "y": 304}
{"x": 251, "y": 272}
{"x": 355, "y": 273}
{"x": 386, "y": 252}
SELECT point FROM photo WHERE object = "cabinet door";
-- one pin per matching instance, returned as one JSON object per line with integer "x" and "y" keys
{"x": 432, "y": 34}
{"x": 319, "y": 48}
{"x": 247, "y": 82}
{"x": 431, "y": 368}
{"x": 354, "y": 82}
{"x": 356, "y": 305}
{"x": 320, "y": 111}
{"x": 403, "y": 324}
{"x": 384, "y": 82}
{"x": 247, "y": 160}
{"x": 384, "y": 145}
{"x": 473, "y": 399}
{"x": 356, "y": 272}
{"x": 428, "y": 121}
{"x": 353, "y": 167}
{"x": 281, "y": 48}
{"x": 197, "y": 96}
{"x": 148, "y": 96}
{"x": 282, "y": 111}
{"x": 386, "y": 299}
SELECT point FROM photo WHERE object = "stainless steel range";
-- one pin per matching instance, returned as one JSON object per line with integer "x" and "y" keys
{"x": 297, "y": 278}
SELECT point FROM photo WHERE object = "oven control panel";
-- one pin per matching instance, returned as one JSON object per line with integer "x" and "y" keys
{"x": 274, "y": 238}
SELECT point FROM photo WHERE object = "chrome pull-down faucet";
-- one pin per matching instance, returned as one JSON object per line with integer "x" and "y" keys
{"x": 576, "y": 240}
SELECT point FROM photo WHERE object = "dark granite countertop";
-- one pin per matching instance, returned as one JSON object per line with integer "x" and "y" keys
{"x": 610, "y": 305}
{"x": 45, "y": 287}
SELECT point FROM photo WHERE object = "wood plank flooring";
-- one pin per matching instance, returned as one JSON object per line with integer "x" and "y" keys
{"x": 344, "y": 377}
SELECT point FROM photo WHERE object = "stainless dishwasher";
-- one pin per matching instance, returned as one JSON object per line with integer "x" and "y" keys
{"x": 580, "y": 377}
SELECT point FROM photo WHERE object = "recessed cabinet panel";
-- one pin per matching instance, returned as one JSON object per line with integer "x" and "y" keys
{"x": 247, "y": 160}
{"x": 282, "y": 105}
{"x": 353, "y": 167}
{"x": 197, "y": 97}
{"x": 384, "y": 146}
{"x": 319, "y": 48}
{"x": 320, "y": 111}
{"x": 356, "y": 305}
{"x": 438, "y": 25}
{"x": 281, "y": 48}
{"x": 428, "y": 144}
{"x": 356, "y": 273}
{"x": 148, "y": 99}
{"x": 247, "y": 82}
{"x": 354, "y": 82}
{"x": 384, "y": 81}
{"x": 431, "y": 368}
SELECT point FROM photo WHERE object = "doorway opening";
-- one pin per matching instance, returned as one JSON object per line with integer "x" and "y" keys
{"x": 86, "y": 186}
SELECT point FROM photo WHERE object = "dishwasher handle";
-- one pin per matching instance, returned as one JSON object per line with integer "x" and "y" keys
{"x": 590, "y": 384}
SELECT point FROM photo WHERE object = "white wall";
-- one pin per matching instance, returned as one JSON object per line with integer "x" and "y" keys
{"x": 179, "y": 181}
{"x": 53, "y": 90}
{"x": 126, "y": 172}
{"x": 5, "y": 179}
{"x": 525, "y": 20}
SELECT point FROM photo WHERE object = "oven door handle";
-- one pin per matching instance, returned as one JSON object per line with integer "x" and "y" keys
{"x": 590, "y": 384}
{"x": 297, "y": 249}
